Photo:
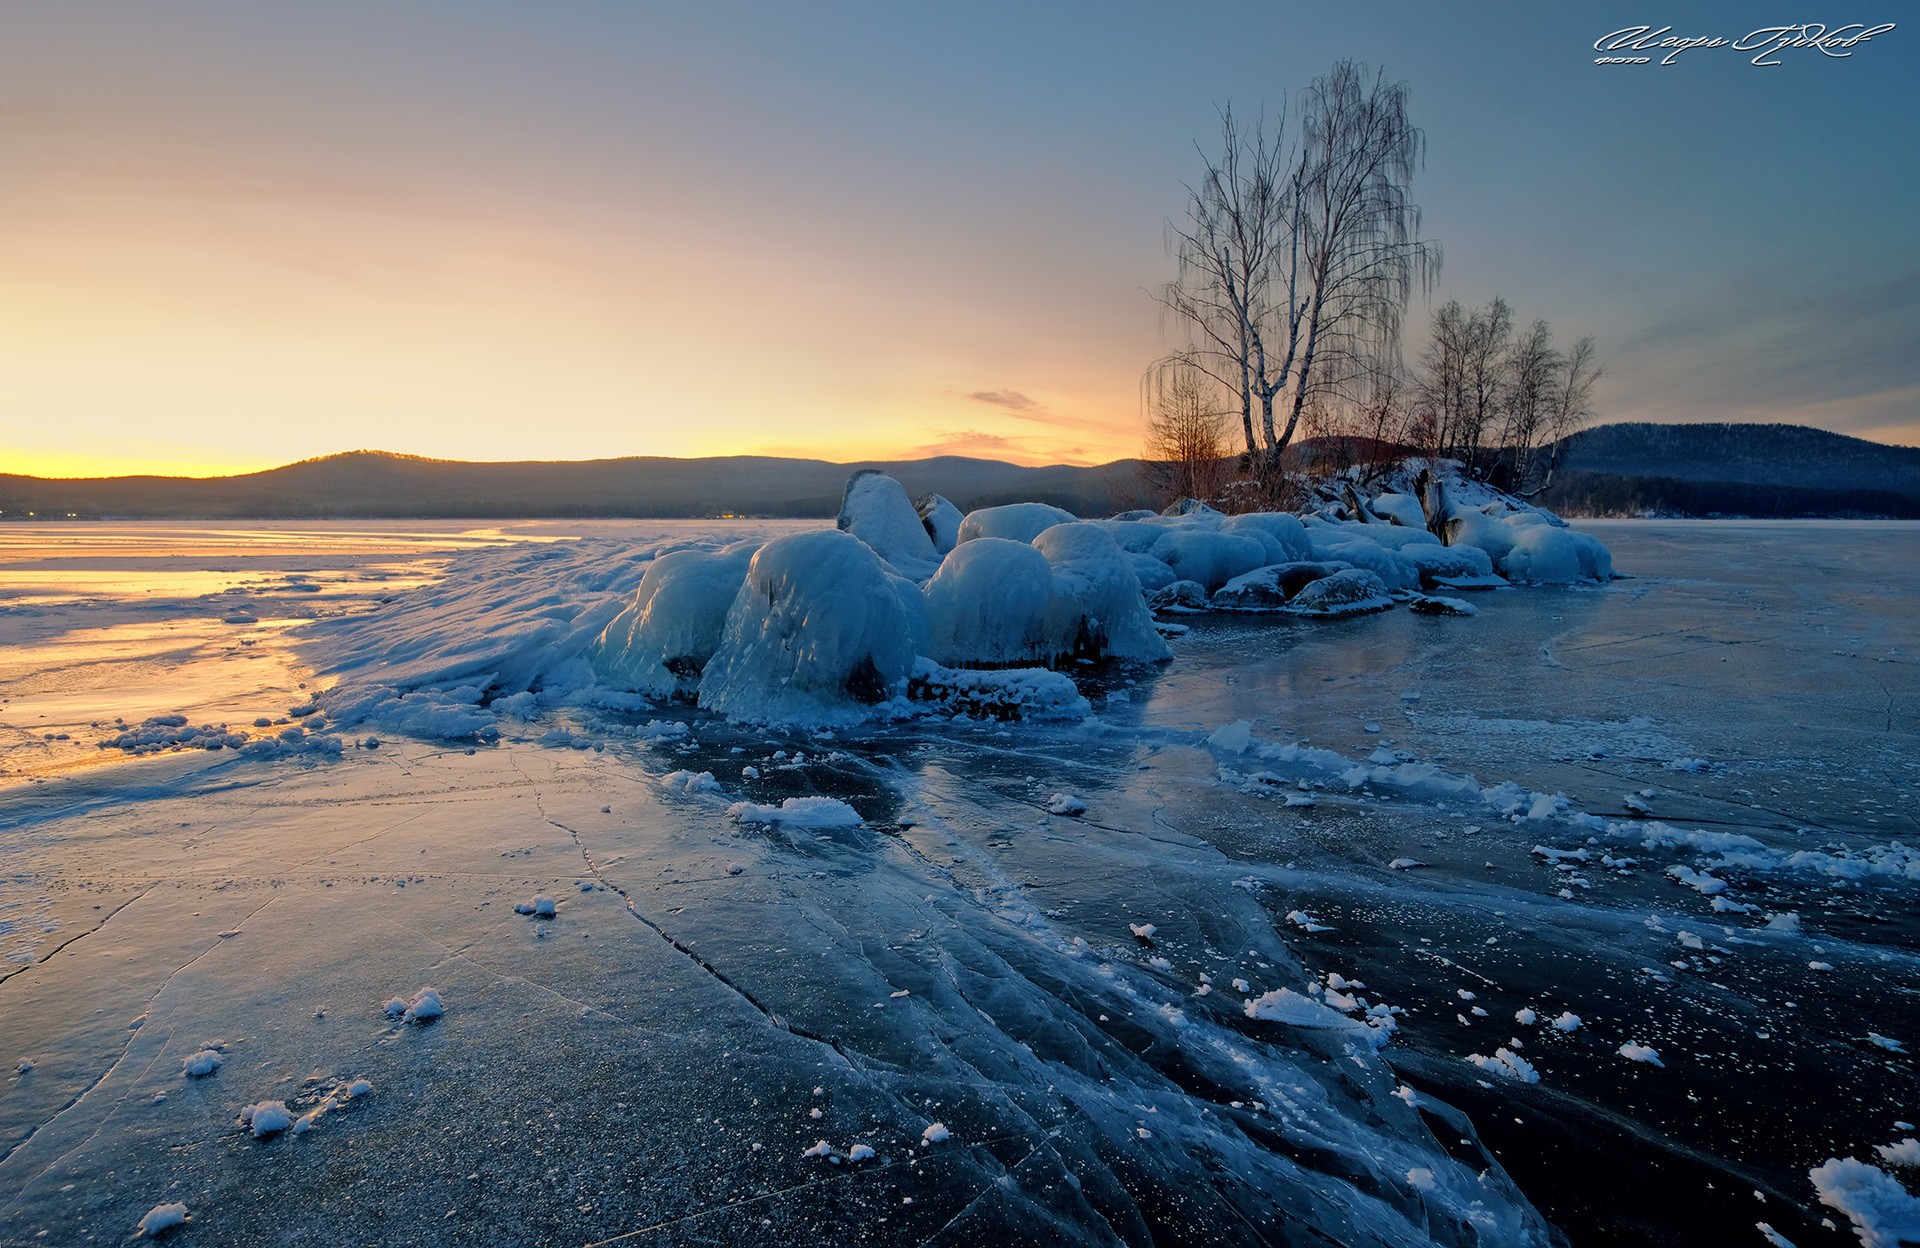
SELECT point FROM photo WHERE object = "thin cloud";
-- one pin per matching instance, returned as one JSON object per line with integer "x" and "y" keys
{"x": 1012, "y": 400}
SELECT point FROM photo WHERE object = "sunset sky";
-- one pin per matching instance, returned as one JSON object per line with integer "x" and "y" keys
{"x": 238, "y": 234}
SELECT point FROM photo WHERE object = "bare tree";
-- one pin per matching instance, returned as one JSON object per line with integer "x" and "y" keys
{"x": 1298, "y": 255}
{"x": 1533, "y": 372}
{"x": 1223, "y": 293}
{"x": 1354, "y": 253}
{"x": 1570, "y": 406}
{"x": 1186, "y": 428}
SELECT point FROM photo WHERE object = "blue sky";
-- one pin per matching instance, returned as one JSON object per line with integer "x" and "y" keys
{"x": 233, "y": 234}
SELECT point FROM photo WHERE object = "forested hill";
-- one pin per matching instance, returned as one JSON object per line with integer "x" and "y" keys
{"x": 377, "y": 484}
{"x": 1790, "y": 455}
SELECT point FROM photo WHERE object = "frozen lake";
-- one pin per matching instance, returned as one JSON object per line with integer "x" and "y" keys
{"x": 1674, "y": 815}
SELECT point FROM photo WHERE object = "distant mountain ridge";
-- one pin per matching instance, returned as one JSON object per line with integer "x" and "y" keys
{"x": 1621, "y": 469}
{"x": 378, "y": 484}
{"x": 1784, "y": 471}
{"x": 1785, "y": 455}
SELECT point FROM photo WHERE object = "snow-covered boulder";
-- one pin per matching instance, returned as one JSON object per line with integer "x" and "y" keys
{"x": 1209, "y": 557}
{"x": 662, "y": 639}
{"x": 1482, "y": 532}
{"x": 1138, "y": 513}
{"x": 1151, "y": 573}
{"x": 1352, "y": 591}
{"x": 1017, "y": 522}
{"x": 1394, "y": 570}
{"x": 1190, "y": 507}
{"x": 990, "y": 605}
{"x": 1132, "y": 536}
{"x": 1450, "y": 565}
{"x": 1403, "y": 509}
{"x": 1179, "y": 596}
{"x": 1544, "y": 555}
{"x": 942, "y": 522}
{"x": 1098, "y": 609}
{"x": 877, "y": 511}
{"x": 817, "y": 629}
{"x": 1269, "y": 588}
{"x": 1283, "y": 535}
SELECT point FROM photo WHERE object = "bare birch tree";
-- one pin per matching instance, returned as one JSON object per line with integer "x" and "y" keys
{"x": 1299, "y": 253}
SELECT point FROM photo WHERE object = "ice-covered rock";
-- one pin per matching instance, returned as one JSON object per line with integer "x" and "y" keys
{"x": 1402, "y": 509}
{"x": 1179, "y": 596}
{"x": 1284, "y": 537}
{"x": 1421, "y": 604}
{"x": 1017, "y": 522}
{"x": 1132, "y": 536}
{"x": 1210, "y": 557}
{"x": 1098, "y": 610}
{"x": 1450, "y": 565}
{"x": 1189, "y": 507}
{"x": 1150, "y": 572}
{"x": 942, "y": 522}
{"x": 818, "y": 630}
{"x": 1009, "y": 694}
{"x": 1394, "y": 570}
{"x": 1353, "y": 591}
{"x": 876, "y": 510}
{"x": 990, "y": 605}
{"x": 1545, "y": 555}
{"x": 1269, "y": 588}
{"x": 663, "y": 638}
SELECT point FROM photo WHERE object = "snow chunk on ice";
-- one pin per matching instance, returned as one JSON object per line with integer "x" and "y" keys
{"x": 1568, "y": 1021}
{"x": 820, "y": 1149}
{"x": 1507, "y": 1064}
{"x": 1234, "y": 738}
{"x": 1902, "y": 1153}
{"x": 1640, "y": 1053}
{"x": 936, "y": 1133}
{"x": 1699, "y": 881}
{"x": 1525, "y": 1017}
{"x": 161, "y": 1217}
{"x": 798, "y": 812}
{"x": 266, "y": 1117}
{"x": 205, "y": 1062}
{"x": 424, "y": 1008}
{"x": 1883, "y": 1214}
{"x": 1145, "y": 931}
{"x": 691, "y": 782}
{"x": 1065, "y": 804}
{"x": 1306, "y": 922}
{"x": 860, "y": 1152}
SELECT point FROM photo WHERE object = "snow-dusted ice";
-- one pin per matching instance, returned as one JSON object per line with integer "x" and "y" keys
{"x": 1106, "y": 1025}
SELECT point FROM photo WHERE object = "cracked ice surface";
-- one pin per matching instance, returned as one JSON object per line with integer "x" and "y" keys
{"x": 650, "y": 1061}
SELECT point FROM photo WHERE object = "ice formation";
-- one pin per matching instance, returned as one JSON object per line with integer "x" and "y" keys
{"x": 876, "y": 510}
{"x": 663, "y": 638}
{"x": 818, "y": 628}
{"x": 1017, "y": 522}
